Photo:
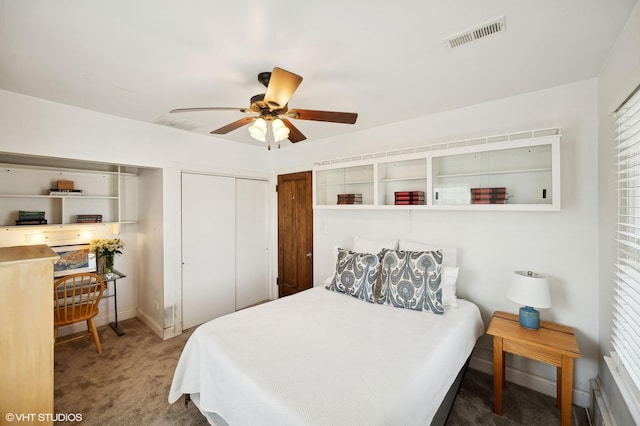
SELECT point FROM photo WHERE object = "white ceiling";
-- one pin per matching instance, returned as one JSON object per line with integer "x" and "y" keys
{"x": 384, "y": 60}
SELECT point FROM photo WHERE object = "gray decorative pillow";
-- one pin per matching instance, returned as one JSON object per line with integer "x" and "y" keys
{"x": 356, "y": 274}
{"x": 411, "y": 280}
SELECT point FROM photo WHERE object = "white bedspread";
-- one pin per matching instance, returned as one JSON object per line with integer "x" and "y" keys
{"x": 323, "y": 358}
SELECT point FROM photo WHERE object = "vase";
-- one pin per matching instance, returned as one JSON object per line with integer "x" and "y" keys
{"x": 108, "y": 265}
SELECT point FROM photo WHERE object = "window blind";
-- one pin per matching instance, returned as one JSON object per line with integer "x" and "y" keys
{"x": 626, "y": 300}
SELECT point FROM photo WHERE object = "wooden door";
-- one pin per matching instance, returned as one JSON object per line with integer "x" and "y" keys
{"x": 208, "y": 248}
{"x": 252, "y": 241}
{"x": 295, "y": 233}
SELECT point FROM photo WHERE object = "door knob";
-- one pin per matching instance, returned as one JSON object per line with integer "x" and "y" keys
{"x": 309, "y": 254}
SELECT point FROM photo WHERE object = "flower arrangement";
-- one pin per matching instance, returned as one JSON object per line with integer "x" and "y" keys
{"x": 106, "y": 247}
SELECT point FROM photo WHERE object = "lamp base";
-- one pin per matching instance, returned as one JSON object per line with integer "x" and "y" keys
{"x": 529, "y": 318}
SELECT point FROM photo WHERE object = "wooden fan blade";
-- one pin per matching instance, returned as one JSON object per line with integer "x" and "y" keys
{"x": 232, "y": 126}
{"x": 295, "y": 135}
{"x": 331, "y": 116}
{"x": 210, "y": 109}
{"x": 282, "y": 85}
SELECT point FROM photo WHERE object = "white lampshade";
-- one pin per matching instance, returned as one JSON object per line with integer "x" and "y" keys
{"x": 280, "y": 131}
{"x": 258, "y": 130}
{"x": 530, "y": 289}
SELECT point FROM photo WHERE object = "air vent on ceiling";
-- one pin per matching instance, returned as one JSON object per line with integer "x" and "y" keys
{"x": 485, "y": 30}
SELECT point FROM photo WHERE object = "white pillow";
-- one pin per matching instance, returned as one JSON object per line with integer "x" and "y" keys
{"x": 334, "y": 261}
{"x": 372, "y": 246}
{"x": 449, "y": 277}
{"x": 449, "y": 255}
{"x": 449, "y": 270}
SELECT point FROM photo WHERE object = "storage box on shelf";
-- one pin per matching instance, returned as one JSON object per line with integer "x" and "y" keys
{"x": 500, "y": 173}
{"x": 60, "y": 195}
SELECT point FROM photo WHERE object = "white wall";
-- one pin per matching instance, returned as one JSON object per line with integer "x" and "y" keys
{"x": 562, "y": 245}
{"x": 38, "y": 127}
{"x": 150, "y": 248}
{"x": 619, "y": 76}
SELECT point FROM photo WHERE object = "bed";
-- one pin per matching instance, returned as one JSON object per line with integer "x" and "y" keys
{"x": 323, "y": 357}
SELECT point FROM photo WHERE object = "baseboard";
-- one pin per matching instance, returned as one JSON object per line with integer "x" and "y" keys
{"x": 600, "y": 407}
{"x": 530, "y": 381}
{"x": 149, "y": 322}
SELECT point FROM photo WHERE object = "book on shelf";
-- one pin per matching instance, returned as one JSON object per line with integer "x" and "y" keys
{"x": 30, "y": 215}
{"x": 409, "y": 198}
{"x": 349, "y": 198}
{"x": 488, "y": 200}
{"x": 409, "y": 202}
{"x": 65, "y": 192}
{"x": 419, "y": 193}
{"x": 498, "y": 190}
{"x": 31, "y": 222}
{"x": 89, "y": 218}
{"x": 502, "y": 201}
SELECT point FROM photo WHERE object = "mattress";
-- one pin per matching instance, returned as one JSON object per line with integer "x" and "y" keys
{"x": 325, "y": 358}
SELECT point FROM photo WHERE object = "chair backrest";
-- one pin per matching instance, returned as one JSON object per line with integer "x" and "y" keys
{"x": 76, "y": 297}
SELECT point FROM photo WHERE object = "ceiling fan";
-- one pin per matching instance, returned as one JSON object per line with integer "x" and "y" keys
{"x": 271, "y": 122}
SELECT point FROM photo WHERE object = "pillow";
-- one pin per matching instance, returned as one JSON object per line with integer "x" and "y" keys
{"x": 449, "y": 254}
{"x": 449, "y": 269}
{"x": 356, "y": 274}
{"x": 449, "y": 277}
{"x": 373, "y": 246}
{"x": 411, "y": 280}
{"x": 334, "y": 259}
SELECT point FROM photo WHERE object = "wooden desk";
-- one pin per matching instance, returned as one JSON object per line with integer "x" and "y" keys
{"x": 26, "y": 335}
{"x": 553, "y": 344}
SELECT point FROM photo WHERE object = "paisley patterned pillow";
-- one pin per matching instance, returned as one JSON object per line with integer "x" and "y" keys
{"x": 356, "y": 274}
{"x": 411, "y": 280}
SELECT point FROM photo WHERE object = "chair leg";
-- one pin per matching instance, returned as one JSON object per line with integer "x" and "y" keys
{"x": 94, "y": 333}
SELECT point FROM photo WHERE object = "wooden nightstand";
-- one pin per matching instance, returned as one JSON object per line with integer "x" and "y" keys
{"x": 552, "y": 343}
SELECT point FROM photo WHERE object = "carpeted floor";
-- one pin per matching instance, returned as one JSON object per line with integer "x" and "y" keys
{"x": 129, "y": 382}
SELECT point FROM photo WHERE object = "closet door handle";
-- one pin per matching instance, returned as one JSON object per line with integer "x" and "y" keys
{"x": 309, "y": 254}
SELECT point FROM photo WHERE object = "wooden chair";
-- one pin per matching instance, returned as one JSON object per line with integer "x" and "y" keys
{"x": 76, "y": 299}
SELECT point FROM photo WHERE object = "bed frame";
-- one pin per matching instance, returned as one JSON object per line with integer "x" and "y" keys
{"x": 441, "y": 416}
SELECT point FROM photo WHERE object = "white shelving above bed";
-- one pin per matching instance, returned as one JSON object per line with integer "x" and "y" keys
{"x": 527, "y": 164}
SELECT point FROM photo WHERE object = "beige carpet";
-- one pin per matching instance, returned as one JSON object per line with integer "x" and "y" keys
{"x": 128, "y": 384}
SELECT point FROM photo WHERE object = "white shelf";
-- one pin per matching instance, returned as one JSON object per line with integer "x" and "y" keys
{"x": 496, "y": 172}
{"x": 67, "y": 197}
{"x": 352, "y": 182}
{"x": 408, "y": 179}
{"x": 59, "y": 225}
{"x": 528, "y": 167}
{"x": 107, "y": 190}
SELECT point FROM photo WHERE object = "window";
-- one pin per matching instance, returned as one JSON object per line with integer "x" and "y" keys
{"x": 626, "y": 305}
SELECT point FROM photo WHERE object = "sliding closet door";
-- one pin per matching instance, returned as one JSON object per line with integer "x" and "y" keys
{"x": 251, "y": 242}
{"x": 208, "y": 247}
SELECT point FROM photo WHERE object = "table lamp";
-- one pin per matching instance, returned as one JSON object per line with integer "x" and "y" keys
{"x": 531, "y": 290}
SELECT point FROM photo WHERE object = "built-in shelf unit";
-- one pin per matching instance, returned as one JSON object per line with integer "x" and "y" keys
{"x": 524, "y": 166}
{"x": 107, "y": 190}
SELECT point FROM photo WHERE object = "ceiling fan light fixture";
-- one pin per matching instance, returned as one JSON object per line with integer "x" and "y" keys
{"x": 258, "y": 130}
{"x": 265, "y": 125}
{"x": 280, "y": 131}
